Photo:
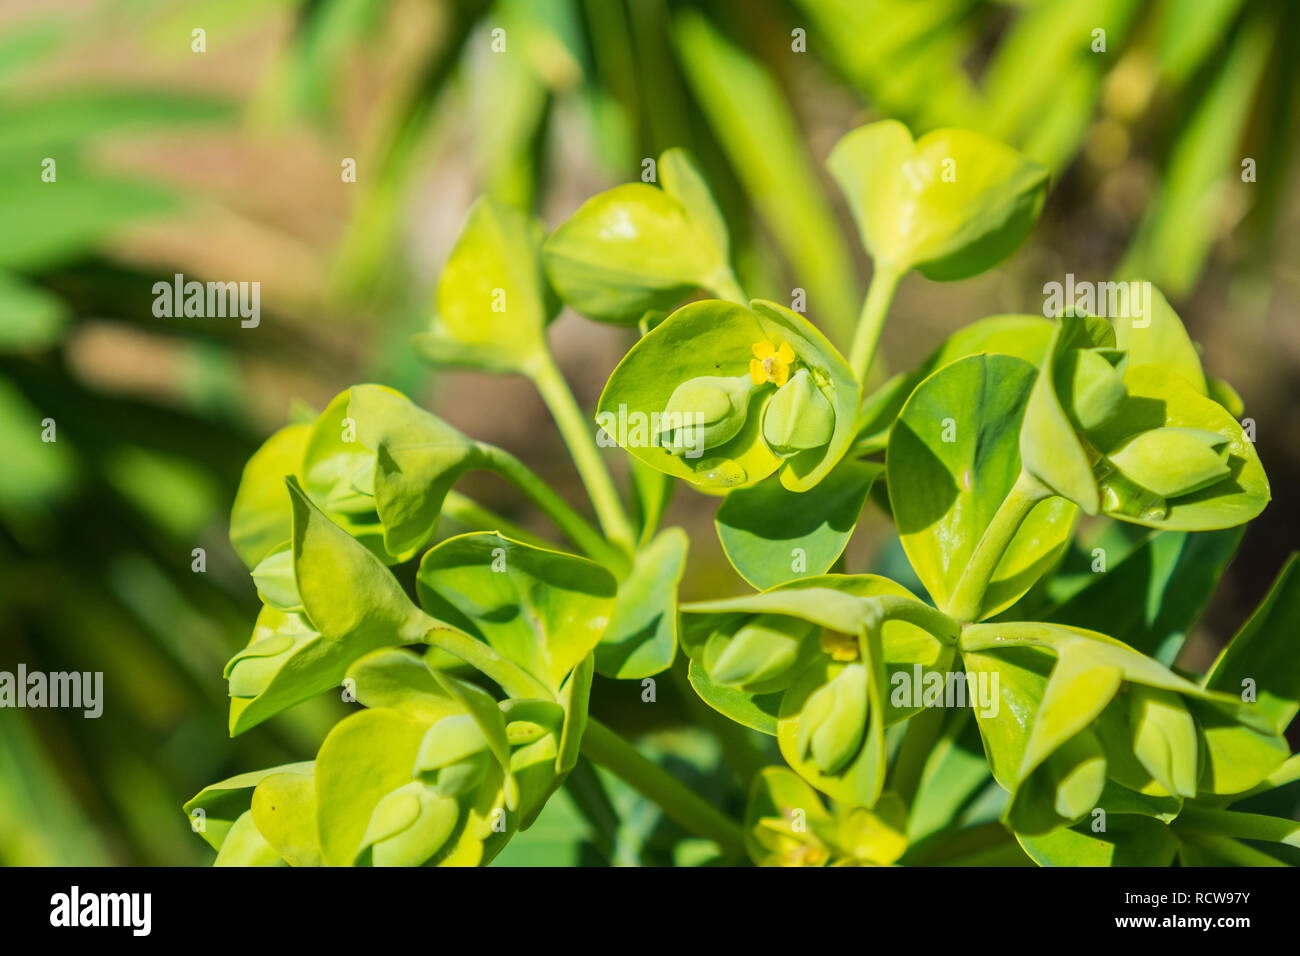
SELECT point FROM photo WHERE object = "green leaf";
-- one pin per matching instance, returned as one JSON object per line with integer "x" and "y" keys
{"x": 352, "y": 605}
{"x": 1237, "y": 757}
{"x": 492, "y": 303}
{"x": 682, "y": 179}
{"x": 944, "y": 493}
{"x": 574, "y": 697}
{"x": 715, "y": 340}
{"x": 338, "y": 472}
{"x": 401, "y": 680}
{"x": 261, "y": 520}
{"x": 541, "y": 609}
{"x": 1026, "y": 337}
{"x": 275, "y": 583}
{"x": 223, "y": 803}
{"x": 1127, "y": 841}
{"x": 1021, "y": 677}
{"x": 408, "y": 826}
{"x": 636, "y": 249}
{"x": 952, "y": 204}
{"x": 1062, "y": 789}
{"x": 365, "y": 757}
{"x": 756, "y": 711}
{"x": 418, "y": 458}
{"x": 1049, "y": 447}
{"x": 641, "y": 639}
{"x": 244, "y": 845}
{"x": 1159, "y": 398}
{"x": 772, "y": 535}
{"x": 1263, "y": 653}
{"x": 284, "y": 809}
{"x": 1159, "y": 338}
{"x": 1077, "y": 690}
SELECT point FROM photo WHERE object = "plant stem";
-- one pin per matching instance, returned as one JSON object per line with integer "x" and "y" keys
{"x": 577, "y": 435}
{"x": 578, "y": 530}
{"x": 893, "y": 607}
{"x": 678, "y": 802}
{"x": 968, "y": 597}
{"x": 872, "y": 320}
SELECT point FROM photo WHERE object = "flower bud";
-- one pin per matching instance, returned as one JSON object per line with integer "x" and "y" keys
{"x": 1173, "y": 461}
{"x": 705, "y": 412}
{"x": 834, "y": 720}
{"x": 1090, "y": 385}
{"x": 409, "y": 826}
{"x": 762, "y": 650}
{"x": 798, "y": 417}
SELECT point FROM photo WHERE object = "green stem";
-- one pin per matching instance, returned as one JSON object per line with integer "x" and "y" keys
{"x": 872, "y": 320}
{"x": 895, "y": 607}
{"x": 968, "y": 597}
{"x": 578, "y": 530}
{"x": 577, "y": 434}
{"x": 678, "y": 803}
{"x": 468, "y": 513}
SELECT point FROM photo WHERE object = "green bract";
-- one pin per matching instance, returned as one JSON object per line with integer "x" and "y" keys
{"x": 951, "y": 204}
{"x": 636, "y": 249}
{"x": 493, "y": 302}
{"x": 1025, "y": 709}
{"x": 674, "y": 402}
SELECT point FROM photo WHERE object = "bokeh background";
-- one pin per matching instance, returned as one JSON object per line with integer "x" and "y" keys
{"x": 226, "y": 165}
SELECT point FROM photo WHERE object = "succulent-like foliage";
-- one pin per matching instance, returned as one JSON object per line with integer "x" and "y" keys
{"x": 1003, "y": 685}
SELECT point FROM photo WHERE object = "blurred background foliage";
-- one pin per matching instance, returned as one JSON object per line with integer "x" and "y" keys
{"x": 226, "y": 165}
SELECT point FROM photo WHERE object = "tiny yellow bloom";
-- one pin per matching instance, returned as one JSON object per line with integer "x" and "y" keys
{"x": 771, "y": 364}
{"x": 841, "y": 647}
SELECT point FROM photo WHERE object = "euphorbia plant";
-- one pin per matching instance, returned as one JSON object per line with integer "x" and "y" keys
{"x": 1015, "y": 698}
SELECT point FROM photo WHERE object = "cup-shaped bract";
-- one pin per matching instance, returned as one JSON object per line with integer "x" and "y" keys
{"x": 493, "y": 302}
{"x": 1204, "y": 468}
{"x": 636, "y": 249}
{"x": 715, "y": 340}
{"x": 543, "y": 610}
{"x": 954, "y": 455}
{"x": 950, "y": 204}
{"x": 351, "y": 604}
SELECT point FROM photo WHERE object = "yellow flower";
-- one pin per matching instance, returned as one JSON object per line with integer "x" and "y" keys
{"x": 841, "y": 647}
{"x": 771, "y": 364}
